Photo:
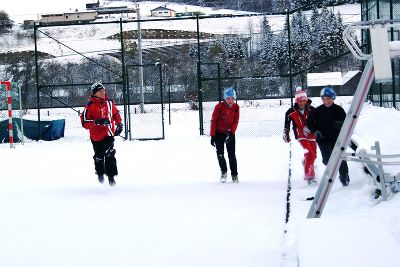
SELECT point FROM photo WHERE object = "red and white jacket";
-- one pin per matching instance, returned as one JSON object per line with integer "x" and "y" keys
{"x": 298, "y": 120}
{"x": 224, "y": 118}
{"x": 99, "y": 108}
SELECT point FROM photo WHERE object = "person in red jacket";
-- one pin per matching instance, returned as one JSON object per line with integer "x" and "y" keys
{"x": 297, "y": 115}
{"x": 101, "y": 117}
{"x": 224, "y": 122}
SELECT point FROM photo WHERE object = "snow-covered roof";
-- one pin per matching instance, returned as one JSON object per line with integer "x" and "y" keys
{"x": 161, "y": 8}
{"x": 325, "y": 78}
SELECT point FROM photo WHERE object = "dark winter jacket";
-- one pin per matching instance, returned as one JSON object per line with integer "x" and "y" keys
{"x": 99, "y": 108}
{"x": 326, "y": 122}
{"x": 298, "y": 120}
{"x": 224, "y": 118}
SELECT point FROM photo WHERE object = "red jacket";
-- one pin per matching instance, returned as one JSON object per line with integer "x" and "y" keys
{"x": 99, "y": 108}
{"x": 224, "y": 118}
{"x": 299, "y": 121}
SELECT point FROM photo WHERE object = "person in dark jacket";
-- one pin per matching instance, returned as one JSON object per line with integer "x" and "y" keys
{"x": 297, "y": 115}
{"x": 101, "y": 117}
{"x": 326, "y": 122}
{"x": 224, "y": 122}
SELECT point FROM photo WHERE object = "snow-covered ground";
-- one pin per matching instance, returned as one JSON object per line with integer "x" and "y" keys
{"x": 168, "y": 208}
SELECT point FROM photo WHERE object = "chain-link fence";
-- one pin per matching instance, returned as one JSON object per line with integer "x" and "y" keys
{"x": 384, "y": 95}
{"x": 264, "y": 56}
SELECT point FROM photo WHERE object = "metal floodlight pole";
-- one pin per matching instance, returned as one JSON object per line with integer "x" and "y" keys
{"x": 140, "y": 55}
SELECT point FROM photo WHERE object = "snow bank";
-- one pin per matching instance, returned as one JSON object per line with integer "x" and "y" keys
{"x": 346, "y": 242}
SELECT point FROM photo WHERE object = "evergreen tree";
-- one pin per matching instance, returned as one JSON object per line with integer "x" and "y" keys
{"x": 300, "y": 42}
{"x": 266, "y": 38}
{"x": 5, "y": 22}
{"x": 279, "y": 52}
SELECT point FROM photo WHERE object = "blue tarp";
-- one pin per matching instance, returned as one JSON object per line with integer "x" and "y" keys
{"x": 49, "y": 130}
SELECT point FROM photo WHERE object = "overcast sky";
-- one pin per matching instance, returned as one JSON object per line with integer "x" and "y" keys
{"x": 28, "y": 9}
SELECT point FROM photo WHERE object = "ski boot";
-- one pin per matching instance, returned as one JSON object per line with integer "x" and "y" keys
{"x": 223, "y": 177}
{"x": 100, "y": 177}
{"x": 345, "y": 180}
{"x": 235, "y": 178}
{"x": 111, "y": 180}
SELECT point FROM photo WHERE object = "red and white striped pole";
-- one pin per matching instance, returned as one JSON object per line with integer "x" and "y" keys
{"x": 10, "y": 125}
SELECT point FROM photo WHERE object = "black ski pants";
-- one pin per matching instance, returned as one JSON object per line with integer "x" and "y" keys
{"x": 104, "y": 157}
{"x": 230, "y": 147}
{"x": 326, "y": 148}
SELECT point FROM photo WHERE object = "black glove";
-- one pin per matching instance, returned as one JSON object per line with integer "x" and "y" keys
{"x": 229, "y": 137}
{"x": 103, "y": 121}
{"x": 213, "y": 140}
{"x": 118, "y": 130}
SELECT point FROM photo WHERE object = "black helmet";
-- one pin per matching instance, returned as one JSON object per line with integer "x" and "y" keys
{"x": 96, "y": 87}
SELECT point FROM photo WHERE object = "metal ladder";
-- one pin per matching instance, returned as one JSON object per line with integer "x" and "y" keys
{"x": 381, "y": 49}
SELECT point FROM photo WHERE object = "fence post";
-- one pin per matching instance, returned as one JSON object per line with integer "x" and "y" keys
{"x": 123, "y": 76}
{"x": 290, "y": 57}
{"x": 37, "y": 79}
{"x": 162, "y": 98}
{"x": 219, "y": 82}
{"x": 199, "y": 89}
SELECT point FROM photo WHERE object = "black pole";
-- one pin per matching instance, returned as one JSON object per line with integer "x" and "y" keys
{"x": 392, "y": 61}
{"x": 199, "y": 89}
{"x": 37, "y": 80}
{"x": 169, "y": 103}
{"x": 123, "y": 77}
{"x": 129, "y": 106}
{"x": 290, "y": 58}
{"x": 162, "y": 99}
{"x": 219, "y": 82}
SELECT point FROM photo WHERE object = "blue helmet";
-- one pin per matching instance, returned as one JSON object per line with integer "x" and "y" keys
{"x": 229, "y": 92}
{"x": 328, "y": 92}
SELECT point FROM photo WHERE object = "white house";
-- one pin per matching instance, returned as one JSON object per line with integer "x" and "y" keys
{"x": 162, "y": 11}
{"x": 69, "y": 16}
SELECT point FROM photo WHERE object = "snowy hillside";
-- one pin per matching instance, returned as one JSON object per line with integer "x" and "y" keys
{"x": 168, "y": 208}
{"x": 81, "y": 37}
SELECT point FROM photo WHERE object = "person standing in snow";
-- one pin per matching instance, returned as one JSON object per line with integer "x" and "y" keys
{"x": 297, "y": 115}
{"x": 224, "y": 122}
{"x": 101, "y": 117}
{"x": 326, "y": 122}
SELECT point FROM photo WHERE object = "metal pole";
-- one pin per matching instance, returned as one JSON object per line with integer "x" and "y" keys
{"x": 393, "y": 74}
{"x": 20, "y": 114}
{"x": 377, "y": 148}
{"x": 169, "y": 101}
{"x": 128, "y": 127}
{"x": 199, "y": 87}
{"x": 123, "y": 75}
{"x": 219, "y": 82}
{"x": 140, "y": 55}
{"x": 162, "y": 99}
{"x": 290, "y": 58}
{"x": 37, "y": 79}
{"x": 377, "y": 9}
